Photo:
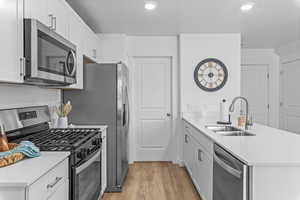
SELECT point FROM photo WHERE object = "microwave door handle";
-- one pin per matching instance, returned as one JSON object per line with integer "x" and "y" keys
{"x": 87, "y": 163}
{"x": 71, "y": 53}
{"x": 234, "y": 172}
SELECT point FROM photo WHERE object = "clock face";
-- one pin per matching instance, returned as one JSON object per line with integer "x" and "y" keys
{"x": 211, "y": 74}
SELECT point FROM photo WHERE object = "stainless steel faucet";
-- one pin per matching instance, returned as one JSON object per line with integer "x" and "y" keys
{"x": 231, "y": 108}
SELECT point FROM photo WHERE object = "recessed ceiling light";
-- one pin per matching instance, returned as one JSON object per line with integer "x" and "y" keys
{"x": 150, "y": 5}
{"x": 247, "y": 6}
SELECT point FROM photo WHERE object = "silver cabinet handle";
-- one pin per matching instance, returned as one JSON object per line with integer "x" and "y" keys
{"x": 54, "y": 19}
{"x": 22, "y": 67}
{"x": 186, "y": 138}
{"x": 57, "y": 179}
{"x": 200, "y": 155}
{"x": 51, "y": 21}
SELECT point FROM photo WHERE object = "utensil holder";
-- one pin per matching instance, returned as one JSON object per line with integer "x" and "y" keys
{"x": 62, "y": 122}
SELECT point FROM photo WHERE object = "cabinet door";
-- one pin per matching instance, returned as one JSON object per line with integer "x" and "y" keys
{"x": 188, "y": 152}
{"x": 62, "y": 193}
{"x": 11, "y": 40}
{"x": 91, "y": 43}
{"x": 76, "y": 36}
{"x": 58, "y": 8}
{"x": 204, "y": 171}
{"x": 97, "y": 53}
{"x": 37, "y": 9}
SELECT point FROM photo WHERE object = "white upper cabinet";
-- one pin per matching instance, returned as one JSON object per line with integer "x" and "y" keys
{"x": 38, "y": 9}
{"x": 59, "y": 17}
{"x": 11, "y": 40}
{"x": 76, "y": 27}
{"x": 91, "y": 44}
{"x": 58, "y": 9}
{"x": 52, "y": 13}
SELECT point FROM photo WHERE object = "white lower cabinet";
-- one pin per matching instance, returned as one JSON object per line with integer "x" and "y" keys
{"x": 204, "y": 172}
{"x": 54, "y": 185}
{"x": 199, "y": 162}
{"x": 51, "y": 184}
{"x": 62, "y": 192}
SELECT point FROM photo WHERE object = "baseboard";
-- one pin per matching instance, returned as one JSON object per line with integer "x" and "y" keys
{"x": 179, "y": 162}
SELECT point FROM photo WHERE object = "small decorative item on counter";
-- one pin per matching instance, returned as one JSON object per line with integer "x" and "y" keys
{"x": 17, "y": 152}
{"x": 62, "y": 111}
{"x": 3, "y": 140}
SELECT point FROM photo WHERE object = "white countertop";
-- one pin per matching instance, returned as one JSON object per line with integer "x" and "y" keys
{"x": 27, "y": 171}
{"x": 102, "y": 127}
{"x": 270, "y": 146}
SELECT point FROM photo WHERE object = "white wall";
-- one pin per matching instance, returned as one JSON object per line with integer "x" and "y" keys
{"x": 269, "y": 58}
{"x": 197, "y": 47}
{"x": 156, "y": 46}
{"x": 13, "y": 96}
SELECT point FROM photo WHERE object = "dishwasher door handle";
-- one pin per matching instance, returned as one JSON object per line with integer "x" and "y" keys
{"x": 234, "y": 172}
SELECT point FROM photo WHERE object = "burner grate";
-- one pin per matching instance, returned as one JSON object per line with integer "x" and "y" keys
{"x": 60, "y": 139}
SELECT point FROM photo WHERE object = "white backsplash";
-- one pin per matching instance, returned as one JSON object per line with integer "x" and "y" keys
{"x": 14, "y": 96}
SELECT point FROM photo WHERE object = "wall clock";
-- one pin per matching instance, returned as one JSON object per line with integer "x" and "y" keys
{"x": 211, "y": 74}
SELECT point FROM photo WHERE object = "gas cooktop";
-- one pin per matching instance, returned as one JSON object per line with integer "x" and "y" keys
{"x": 62, "y": 139}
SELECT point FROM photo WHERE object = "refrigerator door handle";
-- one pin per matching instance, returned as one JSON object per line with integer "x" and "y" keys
{"x": 127, "y": 107}
{"x": 124, "y": 114}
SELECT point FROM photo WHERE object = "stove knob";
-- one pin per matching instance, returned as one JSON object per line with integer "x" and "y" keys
{"x": 96, "y": 141}
{"x": 82, "y": 154}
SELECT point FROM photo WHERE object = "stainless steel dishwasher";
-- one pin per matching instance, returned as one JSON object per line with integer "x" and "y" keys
{"x": 230, "y": 177}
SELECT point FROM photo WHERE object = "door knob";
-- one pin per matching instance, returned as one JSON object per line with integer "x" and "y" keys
{"x": 169, "y": 114}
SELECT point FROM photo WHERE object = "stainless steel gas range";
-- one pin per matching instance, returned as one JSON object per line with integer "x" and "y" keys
{"x": 84, "y": 144}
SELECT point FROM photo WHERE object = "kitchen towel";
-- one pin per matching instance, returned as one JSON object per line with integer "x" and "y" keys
{"x": 25, "y": 147}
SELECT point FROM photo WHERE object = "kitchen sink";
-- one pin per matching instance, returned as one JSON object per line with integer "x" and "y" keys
{"x": 234, "y": 133}
{"x": 216, "y": 128}
{"x": 228, "y": 131}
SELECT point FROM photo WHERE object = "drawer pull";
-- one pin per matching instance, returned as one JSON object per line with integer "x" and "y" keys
{"x": 57, "y": 179}
{"x": 200, "y": 155}
{"x": 186, "y": 138}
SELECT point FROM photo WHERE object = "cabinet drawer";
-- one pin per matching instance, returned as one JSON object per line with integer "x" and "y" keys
{"x": 200, "y": 137}
{"x": 50, "y": 182}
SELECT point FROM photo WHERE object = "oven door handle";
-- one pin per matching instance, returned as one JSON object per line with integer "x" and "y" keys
{"x": 87, "y": 163}
{"x": 234, "y": 172}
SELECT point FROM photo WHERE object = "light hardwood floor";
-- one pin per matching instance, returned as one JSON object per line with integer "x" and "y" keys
{"x": 156, "y": 181}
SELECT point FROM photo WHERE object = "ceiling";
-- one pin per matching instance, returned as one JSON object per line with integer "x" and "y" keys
{"x": 270, "y": 24}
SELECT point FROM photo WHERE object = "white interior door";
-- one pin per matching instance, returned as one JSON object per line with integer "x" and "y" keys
{"x": 153, "y": 111}
{"x": 291, "y": 96}
{"x": 255, "y": 87}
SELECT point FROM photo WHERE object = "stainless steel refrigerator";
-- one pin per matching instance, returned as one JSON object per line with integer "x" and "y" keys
{"x": 104, "y": 100}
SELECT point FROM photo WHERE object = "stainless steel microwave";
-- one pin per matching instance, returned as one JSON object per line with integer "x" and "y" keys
{"x": 49, "y": 58}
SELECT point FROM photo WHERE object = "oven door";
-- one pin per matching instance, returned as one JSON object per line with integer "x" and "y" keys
{"x": 50, "y": 58}
{"x": 87, "y": 183}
